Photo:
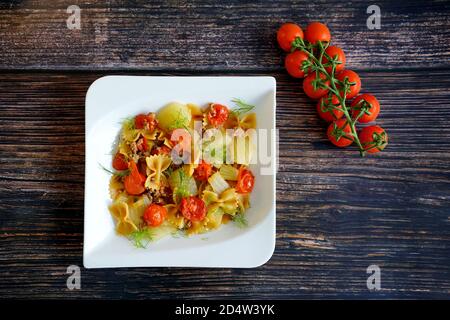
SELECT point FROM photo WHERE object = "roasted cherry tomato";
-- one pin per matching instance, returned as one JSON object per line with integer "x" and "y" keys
{"x": 287, "y": 34}
{"x": 217, "y": 114}
{"x": 316, "y": 31}
{"x": 245, "y": 181}
{"x": 309, "y": 88}
{"x": 368, "y": 105}
{"x": 373, "y": 139}
{"x": 203, "y": 171}
{"x": 334, "y": 52}
{"x": 193, "y": 208}
{"x": 340, "y": 133}
{"x": 294, "y": 62}
{"x": 352, "y": 77}
{"x": 332, "y": 114}
{"x": 154, "y": 215}
{"x": 134, "y": 182}
{"x": 145, "y": 121}
{"x": 120, "y": 162}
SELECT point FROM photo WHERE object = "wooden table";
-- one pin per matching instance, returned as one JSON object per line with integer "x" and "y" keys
{"x": 337, "y": 213}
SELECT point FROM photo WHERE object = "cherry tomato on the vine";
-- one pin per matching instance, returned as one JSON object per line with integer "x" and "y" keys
{"x": 193, "y": 208}
{"x": 332, "y": 52}
{"x": 120, "y": 162}
{"x": 352, "y": 76}
{"x": 154, "y": 215}
{"x": 309, "y": 88}
{"x": 329, "y": 115}
{"x": 368, "y": 105}
{"x": 340, "y": 133}
{"x": 294, "y": 62}
{"x": 316, "y": 31}
{"x": 217, "y": 114}
{"x": 287, "y": 34}
{"x": 245, "y": 181}
{"x": 373, "y": 139}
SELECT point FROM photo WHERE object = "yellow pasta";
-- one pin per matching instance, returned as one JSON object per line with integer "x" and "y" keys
{"x": 156, "y": 164}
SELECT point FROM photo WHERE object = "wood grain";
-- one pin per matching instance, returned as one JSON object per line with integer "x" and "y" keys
{"x": 212, "y": 35}
{"x": 337, "y": 213}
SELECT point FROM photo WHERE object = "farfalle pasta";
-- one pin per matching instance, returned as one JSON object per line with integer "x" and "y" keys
{"x": 166, "y": 180}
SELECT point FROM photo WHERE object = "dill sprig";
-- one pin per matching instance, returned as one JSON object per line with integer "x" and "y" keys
{"x": 240, "y": 220}
{"x": 241, "y": 107}
{"x": 114, "y": 172}
{"x": 128, "y": 123}
{"x": 141, "y": 238}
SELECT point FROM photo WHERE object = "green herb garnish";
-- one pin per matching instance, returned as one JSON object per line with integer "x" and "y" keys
{"x": 116, "y": 173}
{"x": 128, "y": 123}
{"x": 240, "y": 220}
{"x": 241, "y": 107}
{"x": 141, "y": 238}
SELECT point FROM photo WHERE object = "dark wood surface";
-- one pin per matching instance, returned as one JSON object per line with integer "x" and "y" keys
{"x": 337, "y": 213}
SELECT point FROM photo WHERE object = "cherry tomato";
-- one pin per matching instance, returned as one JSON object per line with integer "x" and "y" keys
{"x": 334, "y": 51}
{"x": 316, "y": 31}
{"x": 245, "y": 181}
{"x": 161, "y": 150}
{"x": 134, "y": 182}
{"x": 309, "y": 88}
{"x": 352, "y": 77}
{"x": 373, "y": 139}
{"x": 287, "y": 33}
{"x": 193, "y": 208}
{"x": 368, "y": 104}
{"x": 339, "y": 133}
{"x": 154, "y": 215}
{"x": 294, "y": 62}
{"x": 203, "y": 171}
{"x": 217, "y": 114}
{"x": 142, "y": 144}
{"x": 330, "y": 115}
{"x": 144, "y": 121}
{"x": 119, "y": 162}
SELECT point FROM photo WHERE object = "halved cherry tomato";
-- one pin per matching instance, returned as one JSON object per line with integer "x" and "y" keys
{"x": 134, "y": 182}
{"x": 193, "y": 208}
{"x": 217, "y": 114}
{"x": 373, "y": 139}
{"x": 367, "y": 104}
{"x": 154, "y": 215}
{"x": 145, "y": 121}
{"x": 142, "y": 144}
{"x": 332, "y": 114}
{"x": 309, "y": 88}
{"x": 339, "y": 133}
{"x": 294, "y": 62}
{"x": 316, "y": 31}
{"x": 161, "y": 150}
{"x": 203, "y": 171}
{"x": 120, "y": 162}
{"x": 332, "y": 52}
{"x": 352, "y": 76}
{"x": 245, "y": 181}
{"x": 287, "y": 34}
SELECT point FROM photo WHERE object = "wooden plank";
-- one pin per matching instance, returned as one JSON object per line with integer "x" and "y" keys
{"x": 211, "y": 35}
{"x": 336, "y": 213}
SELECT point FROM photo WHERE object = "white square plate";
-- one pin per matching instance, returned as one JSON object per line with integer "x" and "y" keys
{"x": 111, "y": 99}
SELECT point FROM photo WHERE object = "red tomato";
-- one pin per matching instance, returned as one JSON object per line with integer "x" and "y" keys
{"x": 119, "y": 162}
{"x": 193, "y": 208}
{"x": 334, "y": 51}
{"x": 217, "y": 114}
{"x": 154, "y": 215}
{"x": 245, "y": 181}
{"x": 368, "y": 104}
{"x": 373, "y": 139}
{"x": 203, "y": 171}
{"x": 287, "y": 33}
{"x": 294, "y": 62}
{"x": 352, "y": 77}
{"x": 309, "y": 88}
{"x": 144, "y": 121}
{"x": 142, "y": 144}
{"x": 330, "y": 115}
{"x": 316, "y": 31}
{"x": 134, "y": 182}
{"x": 339, "y": 133}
